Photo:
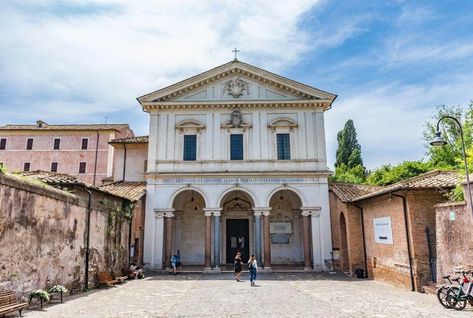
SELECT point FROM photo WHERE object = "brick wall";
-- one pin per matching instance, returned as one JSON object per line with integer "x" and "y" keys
{"x": 421, "y": 207}
{"x": 43, "y": 232}
{"x": 387, "y": 262}
{"x": 351, "y": 253}
{"x": 454, "y": 238}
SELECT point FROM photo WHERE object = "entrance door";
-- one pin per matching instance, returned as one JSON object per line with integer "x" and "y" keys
{"x": 238, "y": 239}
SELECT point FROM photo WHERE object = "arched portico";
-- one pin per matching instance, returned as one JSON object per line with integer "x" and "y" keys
{"x": 288, "y": 241}
{"x": 279, "y": 232}
{"x": 185, "y": 228}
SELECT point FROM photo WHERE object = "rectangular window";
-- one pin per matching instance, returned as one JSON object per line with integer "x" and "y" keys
{"x": 236, "y": 147}
{"x": 26, "y": 166}
{"x": 3, "y": 143}
{"x": 84, "y": 144}
{"x": 190, "y": 147}
{"x": 57, "y": 143}
{"x": 82, "y": 167}
{"x": 53, "y": 166}
{"x": 146, "y": 166}
{"x": 284, "y": 147}
{"x": 29, "y": 143}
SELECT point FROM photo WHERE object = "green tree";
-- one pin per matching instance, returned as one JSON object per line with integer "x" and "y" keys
{"x": 388, "y": 174}
{"x": 349, "y": 164}
{"x": 449, "y": 156}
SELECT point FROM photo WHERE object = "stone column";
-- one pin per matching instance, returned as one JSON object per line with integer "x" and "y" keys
{"x": 208, "y": 243}
{"x": 159, "y": 243}
{"x": 267, "y": 241}
{"x": 258, "y": 235}
{"x": 305, "y": 230}
{"x": 217, "y": 239}
{"x": 168, "y": 238}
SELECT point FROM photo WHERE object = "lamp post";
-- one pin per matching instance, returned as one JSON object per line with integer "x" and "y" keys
{"x": 438, "y": 141}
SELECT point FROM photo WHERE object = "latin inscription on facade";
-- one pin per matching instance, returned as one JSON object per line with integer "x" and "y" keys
{"x": 235, "y": 180}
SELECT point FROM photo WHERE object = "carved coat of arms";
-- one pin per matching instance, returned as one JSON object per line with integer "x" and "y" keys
{"x": 236, "y": 118}
{"x": 236, "y": 87}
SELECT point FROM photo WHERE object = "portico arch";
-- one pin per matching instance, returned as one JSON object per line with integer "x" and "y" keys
{"x": 286, "y": 240}
{"x": 286, "y": 188}
{"x": 236, "y": 189}
{"x": 187, "y": 231}
{"x": 188, "y": 188}
{"x": 237, "y": 207}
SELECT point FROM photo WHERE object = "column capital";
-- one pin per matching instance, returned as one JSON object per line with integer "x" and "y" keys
{"x": 313, "y": 210}
{"x": 169, "y": 214}
{"x": 160, "y": 213}
{"x": 214, "y": 211}
{"x": 258, "y": 211}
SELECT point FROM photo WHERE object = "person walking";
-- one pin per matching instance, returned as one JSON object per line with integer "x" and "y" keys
{"x": 253, "y": 267}
{"x": 238, "y": 266}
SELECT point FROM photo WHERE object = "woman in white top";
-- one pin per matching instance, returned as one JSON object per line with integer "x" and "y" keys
{"x": 253, "y": 267}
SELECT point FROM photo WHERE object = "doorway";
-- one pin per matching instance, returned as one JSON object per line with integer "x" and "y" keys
{"x": 238, "y": 239}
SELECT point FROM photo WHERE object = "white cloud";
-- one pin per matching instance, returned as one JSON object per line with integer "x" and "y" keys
{"x": 94, "y": 57}
{"x": 390, "y": 119}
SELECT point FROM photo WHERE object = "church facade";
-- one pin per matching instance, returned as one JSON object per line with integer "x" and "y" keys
{"x": 237, "y": 162}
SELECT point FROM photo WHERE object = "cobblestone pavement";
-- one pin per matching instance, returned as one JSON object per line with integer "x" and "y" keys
{"x": 277, "y": 295}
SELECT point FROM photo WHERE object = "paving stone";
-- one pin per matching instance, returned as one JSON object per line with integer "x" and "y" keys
{"x": 276, "y": 295}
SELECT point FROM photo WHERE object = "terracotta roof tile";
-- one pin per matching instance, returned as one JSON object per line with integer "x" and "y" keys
{"x": 347, "y": 192}
{"x": 131, "y": 140}
{"x": 133, "y": 191}
{"x": 436, "y": 179}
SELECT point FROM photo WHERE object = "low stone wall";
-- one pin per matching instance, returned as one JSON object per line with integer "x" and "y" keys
{"x": 454, "y": 238}
{"x": 43, "y": 235}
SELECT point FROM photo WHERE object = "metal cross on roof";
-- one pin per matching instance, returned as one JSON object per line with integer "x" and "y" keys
{"x": 235, "y": 50}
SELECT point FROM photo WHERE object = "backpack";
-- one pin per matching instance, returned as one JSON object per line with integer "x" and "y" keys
{"x": 250, "y": 265}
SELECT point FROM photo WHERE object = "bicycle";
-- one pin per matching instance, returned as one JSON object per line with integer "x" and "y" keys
{"x": 442, "y": 291}
{"x": 458, "y": 296}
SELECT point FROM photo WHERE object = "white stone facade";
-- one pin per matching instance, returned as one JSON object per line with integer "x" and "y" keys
{"x": 192, "y": 204}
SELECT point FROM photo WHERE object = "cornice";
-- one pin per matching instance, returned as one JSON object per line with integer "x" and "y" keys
{"x": 319, "y": 103}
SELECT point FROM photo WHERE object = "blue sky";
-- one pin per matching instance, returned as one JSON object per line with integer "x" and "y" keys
{"x": 390, "y": 62}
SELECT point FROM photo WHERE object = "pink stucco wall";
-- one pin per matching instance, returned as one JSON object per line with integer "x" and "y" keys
{"x": 136, "y": 155}
{"x": 43, "y": 231}
{"x": 68, "y": 156}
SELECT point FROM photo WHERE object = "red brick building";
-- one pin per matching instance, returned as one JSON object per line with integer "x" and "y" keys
{"x": 390, "y": 232}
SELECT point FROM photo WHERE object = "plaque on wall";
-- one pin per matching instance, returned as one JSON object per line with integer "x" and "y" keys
{"x": 280, "y": 227}
{"x": 280, "y": 238}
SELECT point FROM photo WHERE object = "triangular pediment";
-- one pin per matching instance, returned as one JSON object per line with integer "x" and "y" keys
{"x": 236, "y": 81}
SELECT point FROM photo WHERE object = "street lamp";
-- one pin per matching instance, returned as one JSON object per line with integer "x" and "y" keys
{"x": 438, "y": 141}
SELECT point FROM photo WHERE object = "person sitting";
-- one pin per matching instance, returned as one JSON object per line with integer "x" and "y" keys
{"x": 176, "y": 263}
{"x": 135, "y": 271}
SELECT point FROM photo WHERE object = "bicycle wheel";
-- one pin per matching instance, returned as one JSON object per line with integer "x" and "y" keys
{"x": 442, "y": 296}
{"x": 455, "y": 298}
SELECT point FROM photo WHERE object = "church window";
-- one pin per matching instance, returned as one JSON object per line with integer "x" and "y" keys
{"x": 26, "y": 166}
{"x": 284, "y": 147}
{"x": 236, "y": 147}
{"x": 53, "y": 166}
{"x": 84, "y": 144}
{"x": 57, "y": 143}
{"x": 29, "y": 143}
{"x": 190, "y": 147}
{"x": 3, "y": 143}
{"x": 82, "y": 167}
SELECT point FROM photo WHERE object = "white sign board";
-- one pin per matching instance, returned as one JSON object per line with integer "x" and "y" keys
{"x": 383, "y": 232}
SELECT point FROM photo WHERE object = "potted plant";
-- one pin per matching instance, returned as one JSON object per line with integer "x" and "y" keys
{"x": 39, "y": 294}
{"x": 57, "y": 289}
